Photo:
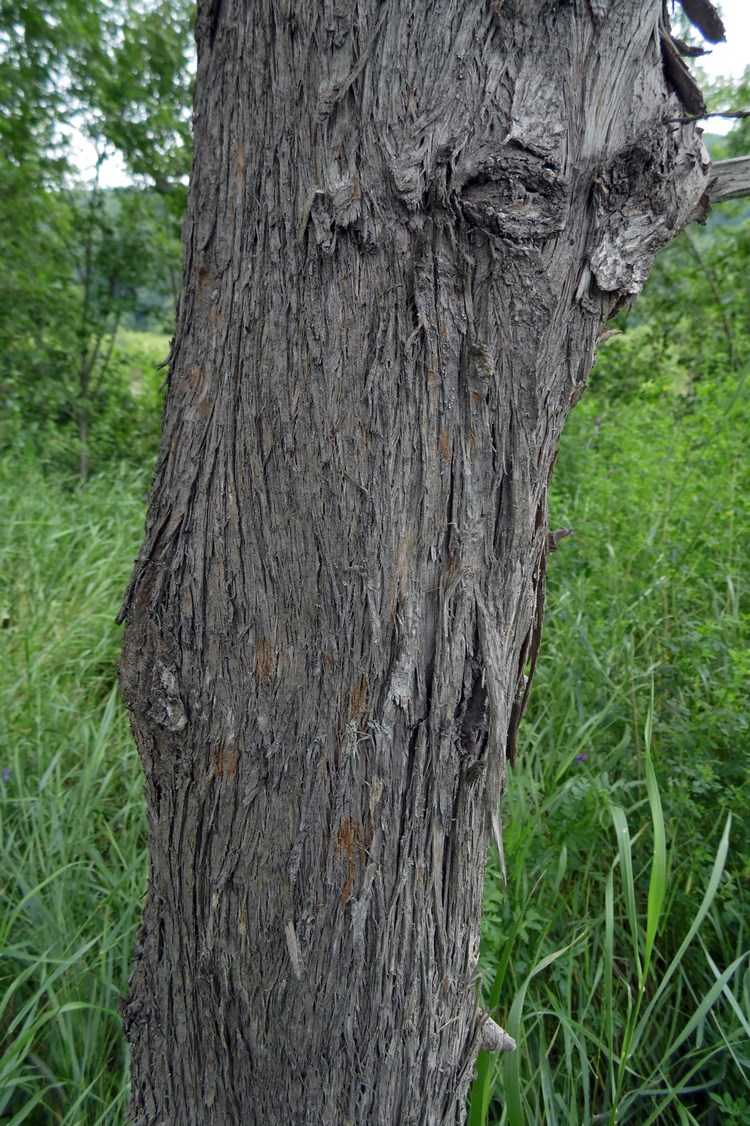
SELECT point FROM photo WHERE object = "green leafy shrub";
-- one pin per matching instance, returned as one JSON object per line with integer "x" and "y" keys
{"x": 124, "y": 409}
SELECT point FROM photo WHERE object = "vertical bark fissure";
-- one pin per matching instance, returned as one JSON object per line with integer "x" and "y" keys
{"x": 405, "y": 230}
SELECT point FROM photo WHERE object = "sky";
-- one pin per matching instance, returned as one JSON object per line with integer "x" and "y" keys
{"x": 730, "y": 59}
{"x": 725, "y": 60}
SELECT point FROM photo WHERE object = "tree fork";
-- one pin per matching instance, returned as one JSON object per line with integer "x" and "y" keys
{"x": 407, "y": 226}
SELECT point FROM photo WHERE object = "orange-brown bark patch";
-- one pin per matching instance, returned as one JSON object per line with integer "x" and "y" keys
{"x": 349, "y": 845}
{"x": 223, "y": 762}
{"x": 264, "y": 658}
{"x": 357, "y": 700}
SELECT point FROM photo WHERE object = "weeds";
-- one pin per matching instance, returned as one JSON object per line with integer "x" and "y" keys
{"x": 619, "y": 952}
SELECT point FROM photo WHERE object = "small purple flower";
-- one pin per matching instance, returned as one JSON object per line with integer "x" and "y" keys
{"x": 581, "y": 757}
{"x": 6, "y": 774}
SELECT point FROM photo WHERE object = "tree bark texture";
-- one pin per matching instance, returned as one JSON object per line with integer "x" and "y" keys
{"x": 407, "y": 224}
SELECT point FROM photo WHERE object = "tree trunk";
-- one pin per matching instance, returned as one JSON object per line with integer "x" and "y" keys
{"x": 407, "y": 225}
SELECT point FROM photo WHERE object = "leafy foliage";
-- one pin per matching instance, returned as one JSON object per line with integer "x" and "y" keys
{"x": 120, "y": 70}
{"x": 40, "y": 418}
{"x": 78, "y": 261}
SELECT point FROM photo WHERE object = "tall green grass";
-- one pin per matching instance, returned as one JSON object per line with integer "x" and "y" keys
{"x": 72, "y": 834}
{"x": 618, "y": 954}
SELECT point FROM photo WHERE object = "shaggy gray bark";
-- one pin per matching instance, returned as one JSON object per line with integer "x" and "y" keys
{"x": 408, "y": 223}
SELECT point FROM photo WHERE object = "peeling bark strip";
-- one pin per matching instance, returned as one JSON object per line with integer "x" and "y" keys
{"x": 407, "y": 226}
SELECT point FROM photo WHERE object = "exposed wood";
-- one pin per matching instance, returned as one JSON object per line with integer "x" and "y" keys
{"x": 493, "y": 1038}
{"x": 407, "y": 227}
{"x": 730, "y": 179}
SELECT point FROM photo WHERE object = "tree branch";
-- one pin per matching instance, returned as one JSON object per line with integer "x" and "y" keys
{"x": 730, "y": 179}
{"x": 703, "y": 15}
{"x": 739, "y": 114}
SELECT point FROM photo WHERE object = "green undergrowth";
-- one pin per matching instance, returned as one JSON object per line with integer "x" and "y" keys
{"x": 617, "y": 955}
{"x": 72, "y": 836}
{"x": 39, "y": 416}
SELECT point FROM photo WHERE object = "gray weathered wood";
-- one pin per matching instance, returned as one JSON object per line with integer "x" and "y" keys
{"x": 408, "y": 223}
{"x": 730, "y": 179}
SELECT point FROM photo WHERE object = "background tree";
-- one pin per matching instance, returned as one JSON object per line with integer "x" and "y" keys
{"x": 406, "y": 228}
{"x": 73, "y": 261}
